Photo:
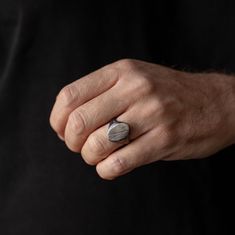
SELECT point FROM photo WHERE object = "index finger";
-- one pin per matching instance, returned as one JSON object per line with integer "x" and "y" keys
{"x": 78, "y": 93}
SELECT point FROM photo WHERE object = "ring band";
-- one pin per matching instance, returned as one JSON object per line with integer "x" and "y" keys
{"x": 118, "y": 131}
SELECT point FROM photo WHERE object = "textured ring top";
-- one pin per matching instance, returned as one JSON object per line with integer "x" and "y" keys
{"x": 118, "y": 131}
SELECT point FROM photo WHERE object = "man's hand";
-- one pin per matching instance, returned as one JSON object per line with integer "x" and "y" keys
{"x": 173, "y": 115}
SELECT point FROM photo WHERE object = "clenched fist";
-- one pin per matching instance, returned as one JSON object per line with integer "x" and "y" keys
{"x": 173, "y": 115}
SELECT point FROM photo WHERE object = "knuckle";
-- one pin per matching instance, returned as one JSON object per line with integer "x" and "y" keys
{"x": 145, "y": 85}
{"x": 56, "y": 123}
{"x": 90, "y": 162}
{"x": 88, "y": 158}
{"x": 72, "y": 146}
{"x": 161, "y": 108}
{"x": 126, "y": 63}
{"x": 118, "y": 166}
{"x": 67, "y": 94}
{"x": 102, "y": 173}
{"x": 168, "y": 108}
{"x": 151, "y": 109}
{"x": 77, "y": 121}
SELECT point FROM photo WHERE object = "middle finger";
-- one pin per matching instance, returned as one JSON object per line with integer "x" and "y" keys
{"x": 91, "y": 115}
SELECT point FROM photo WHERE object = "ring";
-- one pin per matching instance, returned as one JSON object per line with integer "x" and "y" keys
{"x": 118, "y": 131}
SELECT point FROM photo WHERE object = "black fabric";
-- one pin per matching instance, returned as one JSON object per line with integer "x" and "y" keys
{"x": 46, "y": 189}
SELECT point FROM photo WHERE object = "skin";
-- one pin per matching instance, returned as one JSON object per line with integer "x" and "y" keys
{"x": 173, "y": 115}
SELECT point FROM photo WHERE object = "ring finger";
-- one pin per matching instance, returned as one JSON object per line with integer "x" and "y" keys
{"x": 97, "y": 146}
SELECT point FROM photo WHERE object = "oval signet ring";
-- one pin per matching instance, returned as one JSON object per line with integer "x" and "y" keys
{"x": 118, "y": 131}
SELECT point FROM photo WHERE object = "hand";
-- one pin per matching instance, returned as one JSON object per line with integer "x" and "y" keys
{"x": 173, "y": 115}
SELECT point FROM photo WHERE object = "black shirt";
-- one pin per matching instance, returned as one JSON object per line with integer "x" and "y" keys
{"x": 46, "y": 189}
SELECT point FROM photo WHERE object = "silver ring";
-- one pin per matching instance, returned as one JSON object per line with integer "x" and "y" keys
{"x": 118, "y": 131}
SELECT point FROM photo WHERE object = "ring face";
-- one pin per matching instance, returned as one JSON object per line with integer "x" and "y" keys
{"x": 118, "y": 131}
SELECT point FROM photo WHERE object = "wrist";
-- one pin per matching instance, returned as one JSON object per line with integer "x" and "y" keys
{"x": 225, "y": 86}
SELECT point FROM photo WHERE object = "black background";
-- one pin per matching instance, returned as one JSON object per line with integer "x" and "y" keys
{"x": 44, "y": 188}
